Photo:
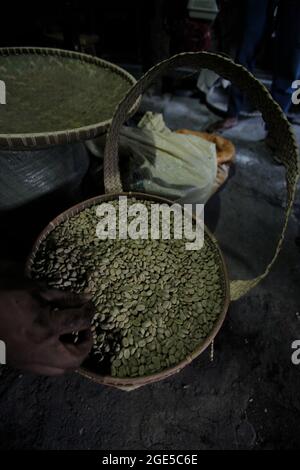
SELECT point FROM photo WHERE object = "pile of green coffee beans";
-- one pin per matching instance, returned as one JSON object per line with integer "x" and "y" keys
{"x": 156, "y": 302}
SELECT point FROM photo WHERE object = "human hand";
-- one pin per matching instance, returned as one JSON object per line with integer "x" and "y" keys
{"x": 36, "y": 323}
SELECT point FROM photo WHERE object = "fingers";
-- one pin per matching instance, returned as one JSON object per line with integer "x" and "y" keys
{"x": 66, "y": 356}
{"x": 64, "y": 312}
{"x": 82, "y": 348}
{"x": 59, "y": 352}
{"x": 71, "y": 320}
{"x": 42, "y": 317}
{"x": 58, "y": 357}
{"x": 61, "y": 299}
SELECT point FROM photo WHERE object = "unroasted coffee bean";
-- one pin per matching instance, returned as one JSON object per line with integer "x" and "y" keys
{"x": 156, "y": 302}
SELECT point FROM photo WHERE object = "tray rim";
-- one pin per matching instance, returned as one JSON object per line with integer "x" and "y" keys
{"x": 25, "y": 141}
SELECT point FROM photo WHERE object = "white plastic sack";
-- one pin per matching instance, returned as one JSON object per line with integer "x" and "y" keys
{"x": 162, "y": 162}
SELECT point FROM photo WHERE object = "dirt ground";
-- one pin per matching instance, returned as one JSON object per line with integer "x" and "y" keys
{"x": 248, "y": 397}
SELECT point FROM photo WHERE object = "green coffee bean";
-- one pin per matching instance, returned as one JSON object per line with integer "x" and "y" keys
{"x": 155, "y": 301}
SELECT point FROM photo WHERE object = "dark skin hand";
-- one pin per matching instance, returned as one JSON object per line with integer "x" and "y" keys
{"x": 34, "y": 322}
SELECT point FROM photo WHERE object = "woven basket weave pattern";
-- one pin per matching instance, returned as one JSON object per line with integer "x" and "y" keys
{"x": 56, "y": 96}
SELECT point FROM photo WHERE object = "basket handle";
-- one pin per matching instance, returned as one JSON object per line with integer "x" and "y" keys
{"x": 278, "y": 127}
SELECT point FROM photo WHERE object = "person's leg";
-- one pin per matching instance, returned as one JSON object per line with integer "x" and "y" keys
{"x": 253, "y": 18}
{"x": 287, "y": 52}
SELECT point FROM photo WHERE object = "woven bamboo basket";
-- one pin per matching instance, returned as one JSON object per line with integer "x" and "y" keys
{"x": 287, "y": 150}
{"x": 56, "y": 97}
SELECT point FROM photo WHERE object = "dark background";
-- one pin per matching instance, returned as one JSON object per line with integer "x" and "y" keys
{"x": 135, "y": 31}
{"x": 122, "y": 31}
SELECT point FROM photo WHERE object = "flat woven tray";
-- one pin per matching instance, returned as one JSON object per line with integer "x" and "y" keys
{"x": 55, "y": 96}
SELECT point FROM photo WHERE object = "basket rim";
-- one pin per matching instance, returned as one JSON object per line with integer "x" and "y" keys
{"x": 68, "y": 135}
{"x": 128, "y": 383}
